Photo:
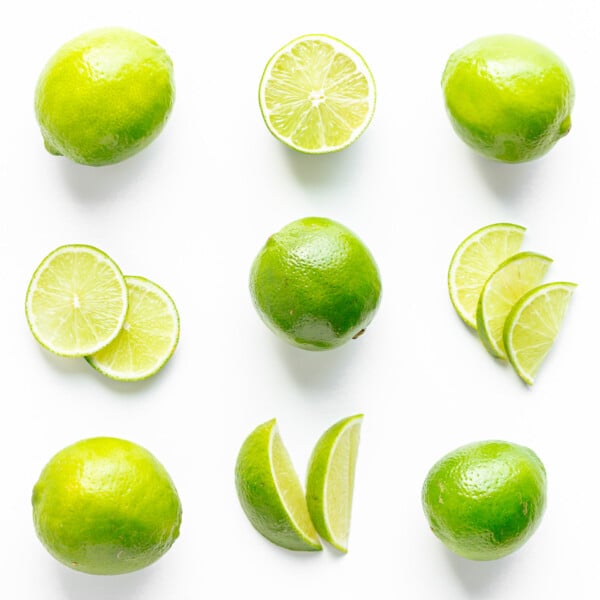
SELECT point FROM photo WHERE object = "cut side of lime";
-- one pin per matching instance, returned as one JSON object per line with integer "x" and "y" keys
{"x": 270, "y": 492}
{"x": 76, "y": 300}
{"x": 475, "y": 259}
{"x": 330, "y": 481}
{"x": 317, "y": 94}
{"x": 148, "y": 337}
{"x": 533, "y": 324}
{"x": 509, "y": 282}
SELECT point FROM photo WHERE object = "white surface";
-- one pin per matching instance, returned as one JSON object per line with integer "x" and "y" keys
{"x": 192, "y": 210}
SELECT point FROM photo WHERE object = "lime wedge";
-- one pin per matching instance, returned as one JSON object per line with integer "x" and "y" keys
{"x": 148, "y": 337}
{"x": 317, "y": 94}
{"x": 511, "y": 280}
{"x": 532, "y": 326}
{"x": 271, "y": 493}
{"x": 76, "y": 300}
{"x": 330, "y": 481}
{"x": 475, "y": 259}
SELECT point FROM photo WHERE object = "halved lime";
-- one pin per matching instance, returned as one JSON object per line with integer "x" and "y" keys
{"x": 475, "y": 259}
{"x": 76, "y": 300}
{"x": 271, "y": 493}
{"x": 533, "y": 324}
{"x": 330, "y": 481}
{"x": 148, "y": 337}
{"x": 317, "y": 94}
{"x": 511, "y": 280}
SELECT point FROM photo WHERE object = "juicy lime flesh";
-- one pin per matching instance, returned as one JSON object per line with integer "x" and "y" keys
{"x": 106, "y": 506}
{"x": 315, "y": 284}
{"x": 148, "y": 337}
{"x": 508, "y": 97}
{"x": 485, "y": 500}
{"x": 104, "y": 96}
{"x": 315, "y": 96}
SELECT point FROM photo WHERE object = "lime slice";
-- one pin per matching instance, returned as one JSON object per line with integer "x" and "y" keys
{"x": 511, "y": 280}
{"x": 330, "y": 481}
{"x": 76, "y": 301}
{"x": 271, "y": 493}
{"x": 148, "y": 337}
{"x": 317, "y": 94}
{"x": 475, "y": 259}
{"x": 533, "y": 324}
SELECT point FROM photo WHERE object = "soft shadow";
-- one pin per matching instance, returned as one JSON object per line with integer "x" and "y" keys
{"x": 479, "y": 577}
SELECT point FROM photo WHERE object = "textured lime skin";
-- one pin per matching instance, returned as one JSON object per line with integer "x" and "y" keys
{"x": 104, "y": 96}
{"x": 315, "y": 284}
{"x": 485, "y": 500}
{"x": 106, "y": 506}
{"x": 508, "y": 97}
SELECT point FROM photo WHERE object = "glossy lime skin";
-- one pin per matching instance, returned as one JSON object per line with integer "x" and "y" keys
{"x": 508, "y": 97}
{"x": 106, "y": 506}
{"x": 485, "y": 500}
{"x": 315, "y": 284}
{"x": 104, "y": 96}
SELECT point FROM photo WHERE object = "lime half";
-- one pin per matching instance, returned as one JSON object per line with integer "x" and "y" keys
{"x": 317, "y": 94}
{"x": 148, "y": 337}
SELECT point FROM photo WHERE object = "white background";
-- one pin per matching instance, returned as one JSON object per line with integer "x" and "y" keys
{"x": 193, "y": 209}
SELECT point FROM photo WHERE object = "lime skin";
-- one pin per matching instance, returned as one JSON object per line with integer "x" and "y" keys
{"x": 508, "y": 97}
{"x": 486, "y": 499}
{"x": 315, "y": 284}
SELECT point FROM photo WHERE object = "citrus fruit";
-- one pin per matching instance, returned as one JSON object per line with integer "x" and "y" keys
{"x": 533, "y": 324}
{"x": 104, "y": 96}
{"x": 317, "y": 94}
{"x": 508, "y": 97}
{"x": 76, "y": 300}
{"x": 330, "y": 481}
{"x": 106, "y": 506}
{"x": 315, "y": 284}
{"x": 515, "y": 276}
{"x": 270, "y": 492}
{"x": 484, "y": 500}
{"x": 475, "y": 259}
{"x": 148, "y": 337}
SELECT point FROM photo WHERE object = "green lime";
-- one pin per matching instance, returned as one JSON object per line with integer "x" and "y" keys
{"x": 315, "y": 284}
{"x": 270, "y": 492}
{"x": 475, "y": 259}
{"x": 317, "y": 94}
{"x": 106, "y": 506}
{"x": 511, "y": 280}
{"x": 532, "y": 326}
{"x": 330, "y": 481}
{"x": 508, "y": 97}
{"x": 148, "y": 337}
{"x": 76, "y": 300}
{"x": 486, "y": 499}
{"x": 104, "y": 96}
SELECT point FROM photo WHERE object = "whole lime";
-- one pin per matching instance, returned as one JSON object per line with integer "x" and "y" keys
{"x": 508, "y": 97}
{"x": 315, "y": 284}
{"x": 485, "y": 500}
{"x": 106, "y": 506}
{"x": 104, "y": 96}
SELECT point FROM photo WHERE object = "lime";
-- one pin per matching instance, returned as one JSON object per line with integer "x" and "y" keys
{"x": 475, "y": 259}
{"x": 515, "y": 276}
{"x": 533, "y": 324}
{"x": 508, "y": 97}
{"x": 76, "y": 301}
{"x": 330, "y": 481}
{"x": 271, "y": 493}
{"x": 317, "y": 94}
{"x": 148, "y": 337}
{"x": 315, "y": 284}
{"x": 106, "y": 506}
{"x": 485, "y": 500}
{"x": 104, "y": 96}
